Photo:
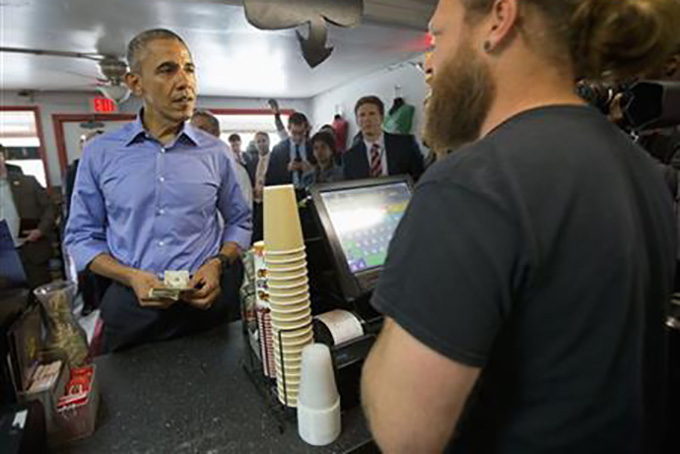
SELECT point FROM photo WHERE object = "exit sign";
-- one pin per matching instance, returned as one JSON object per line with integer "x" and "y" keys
{"x": 103, "y": 105}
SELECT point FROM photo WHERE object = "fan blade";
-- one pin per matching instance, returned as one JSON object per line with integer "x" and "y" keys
{"x": 52, "y": 53}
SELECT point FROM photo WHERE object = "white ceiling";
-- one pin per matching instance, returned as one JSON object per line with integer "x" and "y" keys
{"x": 233, "y": 58}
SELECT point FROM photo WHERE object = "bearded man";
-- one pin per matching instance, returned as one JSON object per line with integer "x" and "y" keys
{"x": 525, "y": 288}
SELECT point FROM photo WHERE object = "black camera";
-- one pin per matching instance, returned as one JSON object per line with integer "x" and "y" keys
{"x": 600, "y": 94}
{"x": 652, "y": 105}
{"x": 645, "y": 104}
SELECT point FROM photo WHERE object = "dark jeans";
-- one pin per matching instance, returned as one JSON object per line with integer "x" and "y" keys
{"x": 258, "y": 222}
{"x": 127, "y": 324}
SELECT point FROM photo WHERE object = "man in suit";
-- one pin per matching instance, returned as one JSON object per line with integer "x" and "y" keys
{"x": 258, "y": 166}
{"x": 380, "y": 153}
{"x": 292, "y": 160}
{"x": 30, "y": 215}
{"x": 206, "y": 121}
{"x": 11, "y": 168}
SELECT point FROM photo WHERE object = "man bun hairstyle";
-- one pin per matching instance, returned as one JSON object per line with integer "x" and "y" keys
{"x": 623, "y": 38}
{"x": 616, "y": 39}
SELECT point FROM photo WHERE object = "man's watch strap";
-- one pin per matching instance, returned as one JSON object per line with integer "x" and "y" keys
{"x": 225, "y": 261}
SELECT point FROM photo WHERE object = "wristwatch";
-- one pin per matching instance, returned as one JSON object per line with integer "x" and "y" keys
{"x": 225, "y": 261}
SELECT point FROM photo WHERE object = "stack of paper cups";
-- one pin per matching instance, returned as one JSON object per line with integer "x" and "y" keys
{"x": 287, "y": 288}
{"x": 263, "y": 311}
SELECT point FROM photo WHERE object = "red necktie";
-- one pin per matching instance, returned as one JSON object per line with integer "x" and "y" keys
{"x": 376, "y": 162}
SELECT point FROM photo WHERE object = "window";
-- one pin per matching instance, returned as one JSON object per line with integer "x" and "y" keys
{"x": 21, "y": 140}
{"x": 247, "y": 125}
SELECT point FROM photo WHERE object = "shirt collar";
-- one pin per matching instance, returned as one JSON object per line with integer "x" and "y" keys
{"x": 380, "y": 142}
{"x": 137, "y": 130}
{"x": 293, "y": 144}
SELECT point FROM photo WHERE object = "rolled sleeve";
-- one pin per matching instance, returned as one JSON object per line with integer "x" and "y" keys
{"x": 85, "y": 236}
{"x": 238, "y": 226}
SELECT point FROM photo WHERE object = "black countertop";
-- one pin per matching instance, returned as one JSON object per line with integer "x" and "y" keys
{"x": 192, "y": 395}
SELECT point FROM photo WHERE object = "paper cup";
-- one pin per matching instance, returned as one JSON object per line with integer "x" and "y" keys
{"x": 280, "y": 311}
{"x": 319, "y": 378}
{"x": 292, "y": 398}
{"x": 282, "y": 228}
{"x": 292, "y": 386}
{"x": 290, "y": 305}
{"x": 290, "y": 362}
{"x": 290, "y": 330}
{"x": 292, "y": 381}
{"x": 292, "y": 392}
{"x": 293, "y": 355}
{"x": 292, "y": 370}
{"x": 294, "y": 343}
{"x": 318, "y": 401}
{"x": 288, "y": 294}
{"x": 277, "y": 277}
{"x": 288, "y": 284}
{"x": 292, "y": 316}
{"x": 285, "y": 260}
{"x": 283, "y": 267}
{"x": 280, "y": 252}
{"x": 292, "y": 403}
{"x": 292, "y": 378}
{"x": 299, "y": 331}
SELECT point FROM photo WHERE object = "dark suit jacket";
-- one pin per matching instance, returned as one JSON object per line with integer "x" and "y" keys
{"x": 251, "y": 162}
{"x": 11, "y": 168}
{"x": 403, "y": 157}
{"x": 277, "y": 172}
{"x": 34, "y": 206}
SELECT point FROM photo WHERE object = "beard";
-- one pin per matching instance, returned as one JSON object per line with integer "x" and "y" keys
{"x": 461, "y": 97}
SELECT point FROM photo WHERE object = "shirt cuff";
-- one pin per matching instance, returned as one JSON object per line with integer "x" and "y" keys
{"x": 83, "y": 254}
{"x": 239, "y": 235}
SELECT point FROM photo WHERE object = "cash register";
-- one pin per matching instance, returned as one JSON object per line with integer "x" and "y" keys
{"x": 347, "y": 246}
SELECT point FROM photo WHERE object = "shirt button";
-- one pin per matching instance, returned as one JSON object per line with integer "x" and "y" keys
{"x": 161, "y": 211}
{"x": 161, "y": 243}
{"x": 163, "y": 150}
{"x": 161, "y": 179}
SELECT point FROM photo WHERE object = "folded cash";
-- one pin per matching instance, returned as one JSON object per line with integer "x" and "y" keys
{"x": 173, "y": 294}
{"x": 164, "y": 294}
{"x": 177, "y": 279}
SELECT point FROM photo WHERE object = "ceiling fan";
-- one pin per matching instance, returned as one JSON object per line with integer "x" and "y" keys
{"x": 111, "y": 68}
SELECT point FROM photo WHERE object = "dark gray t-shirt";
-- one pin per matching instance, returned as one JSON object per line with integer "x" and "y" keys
{"x": 543, "y": 254}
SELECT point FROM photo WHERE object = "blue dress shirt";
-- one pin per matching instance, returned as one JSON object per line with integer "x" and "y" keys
{"x": 155, "y": 207}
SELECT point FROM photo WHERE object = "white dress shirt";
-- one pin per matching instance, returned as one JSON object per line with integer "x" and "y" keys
{"x": 8, "y": 211}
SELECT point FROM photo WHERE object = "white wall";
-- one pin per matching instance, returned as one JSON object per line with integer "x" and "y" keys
{"x": 383, "y": 83}
{"x": 51, "y": 103}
